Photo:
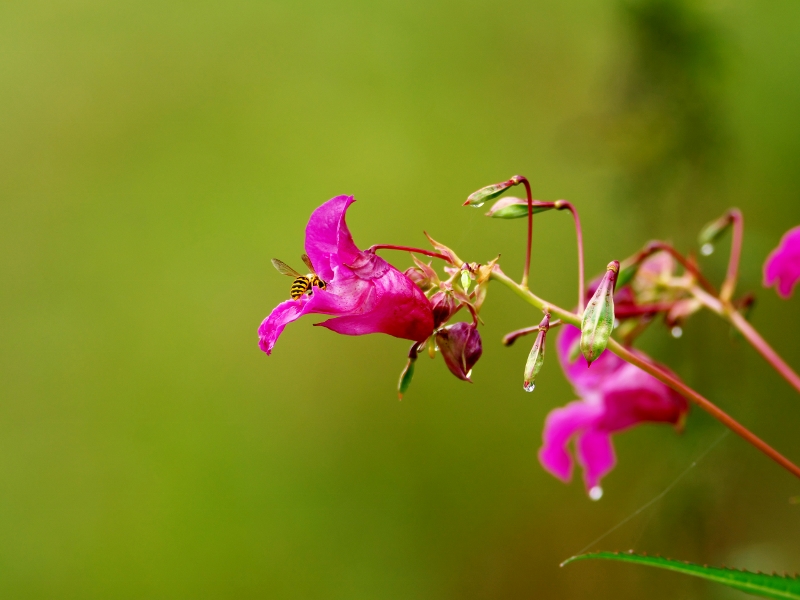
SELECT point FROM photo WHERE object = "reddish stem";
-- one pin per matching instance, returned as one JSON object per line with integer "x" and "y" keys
{"x": 408, "y": 249}
{"x": 729, "y": 285}
{"x": 727, "y": 311}
{"x": 524, "y": 181}
{"x": 654, "y": 247}
{"x": 763, "y": 348}
{"x": 560, "y": 205}
{"x": 705, "y": 404}
{"x": 512, "y": 337}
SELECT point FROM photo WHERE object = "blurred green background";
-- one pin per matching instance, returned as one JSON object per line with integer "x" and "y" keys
{"x": 156, "y": 155}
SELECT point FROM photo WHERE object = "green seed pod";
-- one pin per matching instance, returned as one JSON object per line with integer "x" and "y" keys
{"x": 712, "y": 232}
{"x": 598, "y": 318}
{"x": 517, "y": 208}
{"x": 490, "y": 192}
{"x": 536, "y": 356}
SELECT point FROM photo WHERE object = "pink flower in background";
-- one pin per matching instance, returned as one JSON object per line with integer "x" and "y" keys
{"x": 783, "y": 264}
{"x": 614, "y": 395}
{"x": 363, "y": 292}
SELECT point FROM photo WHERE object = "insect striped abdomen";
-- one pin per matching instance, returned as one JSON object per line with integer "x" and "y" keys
{"x": 300, "y": 286}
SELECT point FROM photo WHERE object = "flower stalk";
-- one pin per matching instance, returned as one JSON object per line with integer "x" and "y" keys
{"x": 729, "y": 285}
{"x": 529, "y": 197}
{"x": 564, "y": 205}
{"x": 430, "y": 253}
{"x": 728, "y": 312}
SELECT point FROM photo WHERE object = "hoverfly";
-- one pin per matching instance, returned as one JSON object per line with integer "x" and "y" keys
{"x": 302, "y": 283}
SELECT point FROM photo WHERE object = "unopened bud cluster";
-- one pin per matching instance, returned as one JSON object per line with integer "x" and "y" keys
{"x": 464, "y": 286}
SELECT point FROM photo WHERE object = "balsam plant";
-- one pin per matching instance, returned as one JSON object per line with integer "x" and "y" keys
{"x": 618, "y": 385}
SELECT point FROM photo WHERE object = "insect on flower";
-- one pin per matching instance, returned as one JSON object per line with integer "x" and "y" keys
{"x": 302, "y": 284}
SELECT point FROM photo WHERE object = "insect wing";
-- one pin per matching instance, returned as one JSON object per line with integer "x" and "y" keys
{"x": 308, "y": 262}
{"x": 284, "y": 269}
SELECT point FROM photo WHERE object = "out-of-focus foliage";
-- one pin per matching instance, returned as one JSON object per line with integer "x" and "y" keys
{"x": 156, "y": 155}
{"x": 667, "y": 116}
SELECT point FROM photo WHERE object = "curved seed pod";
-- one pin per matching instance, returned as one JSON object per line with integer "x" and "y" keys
{"x": 598, "y": 318}
{"x": 444, "y": 306}
{"x": 536, "y": 356}
{"x": 490, "y": 192}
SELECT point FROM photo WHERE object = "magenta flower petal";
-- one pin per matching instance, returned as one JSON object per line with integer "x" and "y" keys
{"x": 583, "y": 378}
{"x": 559, "y": 427}
{"x": 596, "y": 456}
{"x": 328, "y": 240}
{"x": 783, "y": 264}
{"x": 632, "y": 396}
{"x": 364, "y": 293}
{"x": 615, "y": 395}
{"x": 280, "y": 317}
{"x": 393, "y": 305}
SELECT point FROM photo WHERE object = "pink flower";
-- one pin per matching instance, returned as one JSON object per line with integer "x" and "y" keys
{"x": 783, "y": 264}
{"x": 615, "y": 395}
{"x": 364, "y": 292}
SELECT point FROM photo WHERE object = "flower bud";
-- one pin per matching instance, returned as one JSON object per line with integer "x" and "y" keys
{"x": 490, "y": 192}
{"x": 516, "y": 208}
{"x": 423, "y": 275}
{"x": 712, "y": 232}
{"x": 598, "y": 318}
{"x": 419, "y": 278}
{"x": 651, "y": 283}
{"x": 444, "y": 306}
{"x": 466, "y": 280}
{"x": 536, "y": 356}
{"x": 460, "y": 345}
{"x": 408, "y": 372}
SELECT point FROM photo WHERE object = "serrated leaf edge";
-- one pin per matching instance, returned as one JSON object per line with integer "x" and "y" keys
{"x": 713, "y": 574}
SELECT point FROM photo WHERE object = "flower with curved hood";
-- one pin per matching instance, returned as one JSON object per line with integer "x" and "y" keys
{"x": 614, "y": 395}
{"x": 783, "y": 264}
{"x": 363, "y": 292}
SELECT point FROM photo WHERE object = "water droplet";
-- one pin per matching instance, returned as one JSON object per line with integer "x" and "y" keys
{"x": 469, "y": 373}
{"x": 707, "y": 249}
{"x": 616, "y": 323}
{"x": 596, "y": 493}
{"x": 528, "y": 386}
{"x": 676, "y": 331}
{"x": 478, "y": 204}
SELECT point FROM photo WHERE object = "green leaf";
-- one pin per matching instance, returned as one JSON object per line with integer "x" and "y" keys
{"x": 405, "y": 378}
{"x": 758, "y": 584}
